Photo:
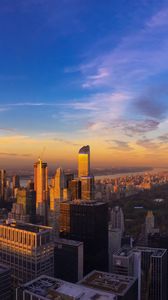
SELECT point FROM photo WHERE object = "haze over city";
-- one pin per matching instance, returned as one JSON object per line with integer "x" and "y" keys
{"x": 84, "y": 72}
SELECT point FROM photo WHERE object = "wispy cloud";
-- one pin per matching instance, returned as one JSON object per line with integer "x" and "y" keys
{"x": 147, "y": 143}
{"x": 133, "y": 127}
{"x": 136, "y": 58}
{"x": 97, "y": 79}
{"x": 160, "y": 19}
{"x": 7, "y": 129}
{"x": 119, "y": 145}
{"x": 152, "y": 102}
{"x": 59, "y": 140}
{"x": 14, "y": 154}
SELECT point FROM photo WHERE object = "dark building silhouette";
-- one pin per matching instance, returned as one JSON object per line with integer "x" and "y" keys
{"x": 68, "y": 253}
{"x": 87, "y": 221}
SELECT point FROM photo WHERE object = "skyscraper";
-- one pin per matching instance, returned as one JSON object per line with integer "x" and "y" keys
{"x": 87, "y": 188}
{"x": 2, "y": 183}
{"x": 84, "y": 161}
{"x": 117, "y": 218}
{"x": 87, "y": 181}
{"x": 87, "y": 221}
{"x": 41, "y": 187}
{"x": 154, "y": 273}
{"x": 114, "y": 244}
{"x": 149, "y": 222}
{"x": 59, "y": 183}
{"x": 75, "y": 189}
{"x": 26, "y": 204}
{"x": 15, "y": 181}
{"x": 56, "y": 195}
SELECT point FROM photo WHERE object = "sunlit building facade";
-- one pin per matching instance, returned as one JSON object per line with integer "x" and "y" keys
{"x": 27, "y": 249}
{"x": 87, "y": 188}
{"x": 84, "y": 161}
{"x": 41, "y": 187}
{"x": 75, "y": 189}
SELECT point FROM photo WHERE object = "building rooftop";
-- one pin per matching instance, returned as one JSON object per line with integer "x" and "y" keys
{"x": 68, "y": 242}
{"x": 158, "y": 252}
{"x": 113, "y": 283}
{"x": 25, "y": 226}
{"x": 55, "y": 289}
{"x": 84, "y": 150}
{"x": 124, "y": 252}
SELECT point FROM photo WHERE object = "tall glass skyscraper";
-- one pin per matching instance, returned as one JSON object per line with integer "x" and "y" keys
{"x": 84, "y": 161}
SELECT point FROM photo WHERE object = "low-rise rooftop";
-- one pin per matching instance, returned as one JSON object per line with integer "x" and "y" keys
{"x": 113, "y": 283}
{"x": 50, "y": 288}
{"x": 68, "y": 242}
{"x": 158, "y": 252}
{"x": 25, "y": 226}
{"x": 125, "y": 251}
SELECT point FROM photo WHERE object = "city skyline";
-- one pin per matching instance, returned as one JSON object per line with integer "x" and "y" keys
{"x": 75, "y": 73}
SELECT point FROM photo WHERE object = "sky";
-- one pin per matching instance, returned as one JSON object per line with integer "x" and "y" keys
{"x": 78, "y": 72}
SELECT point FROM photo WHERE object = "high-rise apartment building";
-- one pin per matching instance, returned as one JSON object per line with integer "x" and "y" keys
{"x": 84, "y": 161}
{"x": 27, "y": 249}
{"x": 87, "y": 221}
{"x": 41, "y": 188}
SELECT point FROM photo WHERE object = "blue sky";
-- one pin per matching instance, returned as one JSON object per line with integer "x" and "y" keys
{"x": 77, "y": 72}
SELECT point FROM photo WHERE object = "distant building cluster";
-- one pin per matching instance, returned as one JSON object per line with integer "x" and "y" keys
{"x": 66, "y": 239}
